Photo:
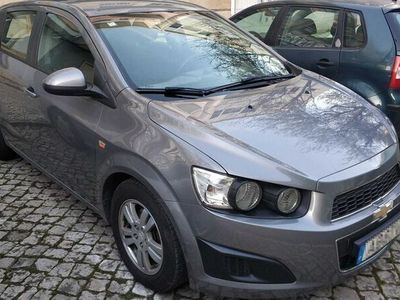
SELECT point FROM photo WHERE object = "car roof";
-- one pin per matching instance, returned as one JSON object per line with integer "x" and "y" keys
{"x": 386, "y": 5}
{"x": 94, "y": 8}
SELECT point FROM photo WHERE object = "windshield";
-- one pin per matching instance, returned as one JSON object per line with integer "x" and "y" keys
{"x": 184, "y": 49}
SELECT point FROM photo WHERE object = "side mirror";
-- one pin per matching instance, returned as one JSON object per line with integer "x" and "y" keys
{"x": 69, "y": 82}
{"x": 65, "y": 82}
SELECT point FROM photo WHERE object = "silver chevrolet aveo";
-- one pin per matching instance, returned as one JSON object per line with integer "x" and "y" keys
{"x": 214, "y": 159}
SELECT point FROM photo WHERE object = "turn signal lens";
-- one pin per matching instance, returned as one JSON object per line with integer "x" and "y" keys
{"x": 212, "y": 188}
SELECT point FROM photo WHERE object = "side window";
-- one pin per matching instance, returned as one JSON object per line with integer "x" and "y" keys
{"x": 259, "y": 22}
{"x": 354, "y": 35}
{"x": 17, "y": 32}
{"x": 309, "y": 28}
{"x": 62, "y": 46}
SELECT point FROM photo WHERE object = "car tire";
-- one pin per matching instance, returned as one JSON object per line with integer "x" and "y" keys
{"x": 5, "y": 152}
{"x": 139, "y": 244}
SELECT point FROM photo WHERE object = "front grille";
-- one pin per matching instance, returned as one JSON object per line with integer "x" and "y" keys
{"x": 365, "y": 195}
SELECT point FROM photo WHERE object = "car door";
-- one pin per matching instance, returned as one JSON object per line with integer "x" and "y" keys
{"x": 18, "y": 109}
{"x": 310, "y": 37}
{"x": 66, "y": 143}
{"x": 356, "y": 59}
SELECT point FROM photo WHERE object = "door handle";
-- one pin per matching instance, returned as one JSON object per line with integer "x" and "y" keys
{"x": 30, "y": 92}
{"x": 325, "y": 63}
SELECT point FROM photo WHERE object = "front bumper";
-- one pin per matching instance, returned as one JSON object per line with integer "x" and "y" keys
{"x": 307, "y": 247}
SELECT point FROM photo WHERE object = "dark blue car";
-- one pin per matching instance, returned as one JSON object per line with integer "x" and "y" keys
{"x": 355, "y": 42}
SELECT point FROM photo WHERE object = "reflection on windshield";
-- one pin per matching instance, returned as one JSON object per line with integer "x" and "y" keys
{"x": 184, "y": 49}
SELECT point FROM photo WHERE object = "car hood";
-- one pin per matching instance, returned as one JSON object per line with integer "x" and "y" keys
{"x": 308, "y": 126}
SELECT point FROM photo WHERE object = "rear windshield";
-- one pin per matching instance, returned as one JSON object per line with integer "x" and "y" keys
{"x": 186, "y": 49}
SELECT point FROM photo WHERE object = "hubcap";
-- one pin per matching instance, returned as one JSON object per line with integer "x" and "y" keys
{"x": 140, "y": 236}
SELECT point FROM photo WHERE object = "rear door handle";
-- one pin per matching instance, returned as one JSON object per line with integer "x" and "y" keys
{"x": 31, "y": 92}
{"x": 325, "y": 63}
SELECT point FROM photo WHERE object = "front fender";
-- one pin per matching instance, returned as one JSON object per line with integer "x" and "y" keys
{"x": 136, "y": 167}
{"x": 155, "y": 182}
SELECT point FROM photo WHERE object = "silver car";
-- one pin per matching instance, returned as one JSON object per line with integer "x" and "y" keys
{"x": 213, "y": 158}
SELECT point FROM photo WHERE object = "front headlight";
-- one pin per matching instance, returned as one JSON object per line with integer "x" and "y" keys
{"x": 288, "y": 201}
{"x": 212, "y": 188}
{"x": 245, "y": 195}
{"x": 225, "y": 192}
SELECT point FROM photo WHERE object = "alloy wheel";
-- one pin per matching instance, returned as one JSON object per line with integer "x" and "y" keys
{"x": 140, "y": 236}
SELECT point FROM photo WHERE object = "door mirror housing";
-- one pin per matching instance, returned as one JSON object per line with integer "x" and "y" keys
{"x": 70, "y": 82}
{"x": 65, "y": 82}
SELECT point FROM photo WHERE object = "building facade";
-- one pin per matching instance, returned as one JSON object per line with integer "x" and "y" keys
{"x": 224, "y": 7}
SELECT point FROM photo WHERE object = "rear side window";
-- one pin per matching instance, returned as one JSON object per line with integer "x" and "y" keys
{"x": 354, "y": 33}
{"x": 259, "y": 22}
{"x": 17, "y": 32}
{"x": 393, "y": 19}
{"x": 309, "y": 28}
{"x": 62, "y": 46}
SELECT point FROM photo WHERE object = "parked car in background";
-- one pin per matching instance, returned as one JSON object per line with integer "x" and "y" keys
{"x": 355, "y": 42}
{"x": 212, "y": 158}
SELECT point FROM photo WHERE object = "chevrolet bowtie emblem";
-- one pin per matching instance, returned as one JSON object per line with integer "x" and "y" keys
{"x": 382, "y": 211}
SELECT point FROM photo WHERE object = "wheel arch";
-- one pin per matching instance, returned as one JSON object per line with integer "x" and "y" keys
{"x": 123, "y": 167}
{"x": 119, "y": 168}
{"x": 109, "y": 186}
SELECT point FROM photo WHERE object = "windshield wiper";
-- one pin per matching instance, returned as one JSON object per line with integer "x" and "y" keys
{"x": 185, "y": 91}
{"x": 174, "y": 91}
{"x": 249, "y": 81}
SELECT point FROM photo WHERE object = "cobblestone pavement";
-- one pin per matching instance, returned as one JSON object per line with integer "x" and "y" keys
{"x": 52, "y": 246}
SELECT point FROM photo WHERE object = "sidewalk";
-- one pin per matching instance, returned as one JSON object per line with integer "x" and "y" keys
{"x": 53, "y": 247}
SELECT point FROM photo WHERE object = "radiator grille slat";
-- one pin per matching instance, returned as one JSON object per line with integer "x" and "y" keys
{"x": 363, "y": 196}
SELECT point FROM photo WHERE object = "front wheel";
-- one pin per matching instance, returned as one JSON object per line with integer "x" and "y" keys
{"x": 146, "y": 238}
